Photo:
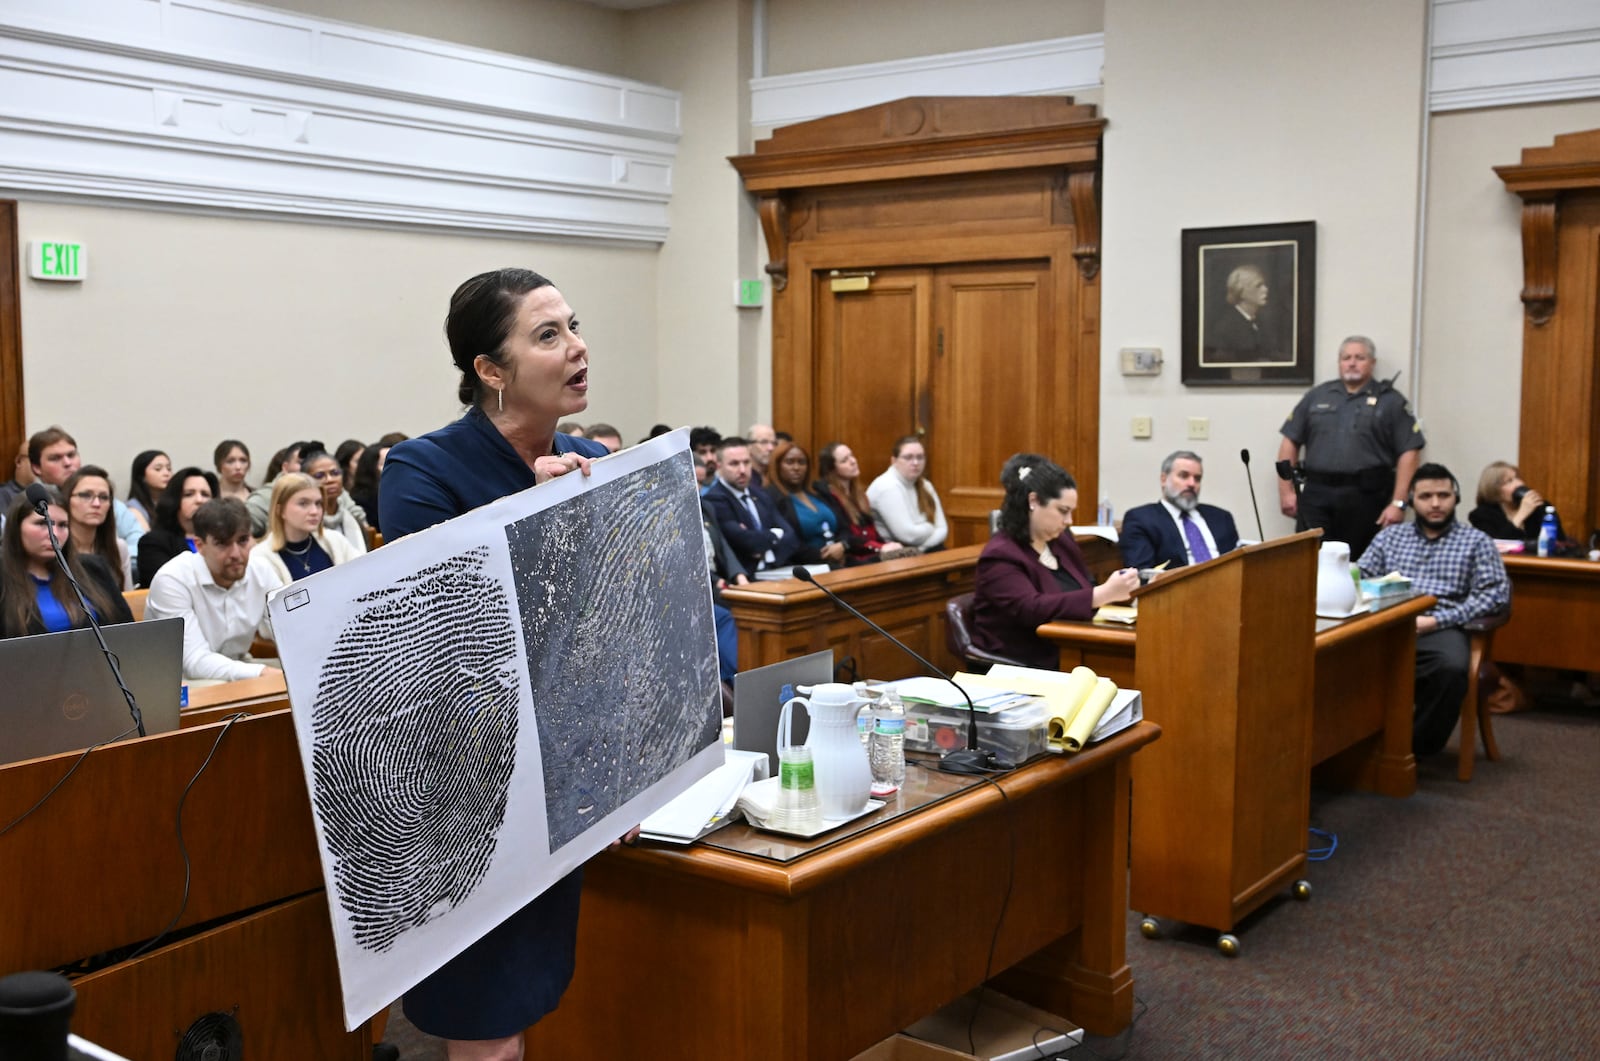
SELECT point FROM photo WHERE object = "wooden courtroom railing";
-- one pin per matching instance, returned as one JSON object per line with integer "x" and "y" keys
{"x": 1555, "y": 614}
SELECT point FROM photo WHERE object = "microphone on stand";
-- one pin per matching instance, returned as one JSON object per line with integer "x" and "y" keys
{"x": 1244, "y": 455}
{"x": 970, "y": 760}
{"x": 39, "y": 498}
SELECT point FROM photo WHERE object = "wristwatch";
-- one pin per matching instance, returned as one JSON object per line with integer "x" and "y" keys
{"x": 1401, "y": 505}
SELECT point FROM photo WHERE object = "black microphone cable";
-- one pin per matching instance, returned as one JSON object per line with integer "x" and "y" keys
{"x": 41, "y": 502}
{"x": 19, "y": 819}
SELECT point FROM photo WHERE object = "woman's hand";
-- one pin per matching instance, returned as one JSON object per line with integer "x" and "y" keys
{"x": 548, "y": 467}
{"x": 630, "y": 838}
{"x": 833, "y": 553}
{"x": 1119, "y": 587}
{"x": 1532, "y": 502}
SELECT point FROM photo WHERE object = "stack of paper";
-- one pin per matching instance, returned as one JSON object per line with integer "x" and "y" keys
{"x": 1083, "y": 706}
{"x": 708, "y": 804}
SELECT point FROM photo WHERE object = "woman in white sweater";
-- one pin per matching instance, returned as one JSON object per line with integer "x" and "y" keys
{"x": 296, "y": 545}
{"x": 906, "y": 504}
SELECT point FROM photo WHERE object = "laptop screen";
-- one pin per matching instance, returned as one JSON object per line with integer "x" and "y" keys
{"x": 759, "y": 696}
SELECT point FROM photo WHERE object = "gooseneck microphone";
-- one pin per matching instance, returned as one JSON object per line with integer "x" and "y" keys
{"x": 970, "y": 760}
{"x": 1244, "y": 455}
{"x": 39, "y": 498}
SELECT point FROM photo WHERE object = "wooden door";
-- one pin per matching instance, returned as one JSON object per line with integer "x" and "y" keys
{"x": 954, "y": 354}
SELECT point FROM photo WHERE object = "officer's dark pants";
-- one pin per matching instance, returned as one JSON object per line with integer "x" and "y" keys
{"x": 1442, "y": 657}
{"x": 1345, "y": 514}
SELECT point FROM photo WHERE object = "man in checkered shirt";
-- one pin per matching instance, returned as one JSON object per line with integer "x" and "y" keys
{"x": 1457, "y": 564}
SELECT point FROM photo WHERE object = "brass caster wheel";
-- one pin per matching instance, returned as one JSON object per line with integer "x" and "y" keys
{"x": 1150, "y": 928}
{"x": 1302, "y": 890}
{"x": 1228, "y": 944}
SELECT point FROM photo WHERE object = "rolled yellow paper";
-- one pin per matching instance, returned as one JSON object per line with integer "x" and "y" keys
{"x": 1089, "y": 715}
{"x": 1068, "y": 702}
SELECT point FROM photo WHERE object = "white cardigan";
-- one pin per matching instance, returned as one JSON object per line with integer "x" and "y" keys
{"x": 336, "y": 546}
{"x": 894, "y": 508}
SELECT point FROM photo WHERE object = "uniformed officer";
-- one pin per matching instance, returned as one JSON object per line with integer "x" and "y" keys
{"x": 1361, "y": 445}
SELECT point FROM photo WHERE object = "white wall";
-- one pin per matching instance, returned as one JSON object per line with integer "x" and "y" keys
{"x": 191, "y": 329}
{"x": 1239, "y": 112}
{"x": 558, "y": 31}
{"x": 1472, "y": 310}
{"x": 818, "y": 34}
{"x": 707, "y": 349}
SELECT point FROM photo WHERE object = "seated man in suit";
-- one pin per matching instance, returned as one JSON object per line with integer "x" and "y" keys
{"x": 1460, "y": 566}
{"x": 761, "y": 538}
{"x": 1177, "y": 529}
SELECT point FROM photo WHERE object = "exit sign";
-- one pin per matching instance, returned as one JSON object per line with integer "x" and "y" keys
{"x": 56, "y": 260}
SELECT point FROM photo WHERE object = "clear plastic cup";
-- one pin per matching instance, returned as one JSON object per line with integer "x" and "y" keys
{"x": 799, "y": 806}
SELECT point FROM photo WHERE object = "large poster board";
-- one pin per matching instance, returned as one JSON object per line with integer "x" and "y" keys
{"x": 485, "y": 705}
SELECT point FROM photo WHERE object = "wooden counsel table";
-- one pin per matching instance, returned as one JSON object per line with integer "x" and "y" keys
{"x": 1362, "y": 712}
{"x": 812, "y": 951}
{"x": 1555, "y": 614}
{"x": 787, "y": 619}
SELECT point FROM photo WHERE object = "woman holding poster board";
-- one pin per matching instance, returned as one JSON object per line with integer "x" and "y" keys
{"x": 524, "y": 367}
{"x": 1032, "y": 572}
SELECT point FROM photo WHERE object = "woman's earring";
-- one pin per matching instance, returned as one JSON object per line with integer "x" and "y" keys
{"x": 500, "y": 399}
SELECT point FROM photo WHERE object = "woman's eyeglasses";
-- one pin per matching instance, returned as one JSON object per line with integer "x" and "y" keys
{"x": 89, "y": 498}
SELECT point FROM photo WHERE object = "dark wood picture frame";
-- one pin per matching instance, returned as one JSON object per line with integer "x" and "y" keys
{"x": 1234, "y": 332}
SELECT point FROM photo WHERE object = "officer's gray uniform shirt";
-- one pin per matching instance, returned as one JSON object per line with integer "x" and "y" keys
{"x": 1344, "y": 432}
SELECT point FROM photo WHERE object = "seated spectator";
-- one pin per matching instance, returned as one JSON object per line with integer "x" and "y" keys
{"x": 295, "y": 545}
{"x": 760, "y": 537}
{"x": 703, "y": 442}
{"x": 762, "y": 439}
{"x": 288, "y": 459}
{"x": 1457, "y": 565}
{"x": 232, "y": 461}
{"x": 340, "y": 515}
{"x": 1032, "y": 572}
{"x": 173, "y": 533}
{"x": 53, "y": 457}
{"x": 812, "y": 516}
{"x": 89, "y": 494}
{"x": 840, "y": 483}
{"x": 570, "y": 427}
{"x": 220, "y": 593}
{"x": 905, "y": 504}
{"x": 1509, "y": 509}
{"x": 369, "y": 474}
{"x": 606, "y": 435}
{"x": 726, "y": 570}
{"x": 21, "y": 476}
{"x": 1177, "y": 530}
{"x": 151, "y": 472}
{"x": 35, "y": 596}
{"x": 347, "y": 454}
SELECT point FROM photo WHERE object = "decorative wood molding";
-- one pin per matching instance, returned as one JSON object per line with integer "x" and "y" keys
{"x": 1491, "y": 53}
{"x": 1539, "y": 259}
{"x": 1056, "y": 67}
{"x": 775, "y": 226}
{"x": 924, "y": 136}
{"x": 12, "y": 413}
{"x": 217, "y": 105}
{"x": 1083, "y": 187}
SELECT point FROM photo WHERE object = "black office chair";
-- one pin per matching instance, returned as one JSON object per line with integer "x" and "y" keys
{"x": 958, "y": 636}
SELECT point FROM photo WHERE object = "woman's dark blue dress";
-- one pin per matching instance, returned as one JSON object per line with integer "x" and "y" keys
{"x": 517, "y": 973}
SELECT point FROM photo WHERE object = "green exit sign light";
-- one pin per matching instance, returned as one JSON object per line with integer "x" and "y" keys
{"x": 57, "y": 260}
{"x": 748, "y": 294}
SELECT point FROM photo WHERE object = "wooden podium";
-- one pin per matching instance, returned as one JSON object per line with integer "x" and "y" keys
{"x": 97, "y": 867}
{"x": 1221, "y": 804}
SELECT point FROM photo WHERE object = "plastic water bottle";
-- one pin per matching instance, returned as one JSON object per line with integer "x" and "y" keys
{"x": 1547, "y": 531}
{"x": 887, "y": 751}
{"x": 1104, "y": 515}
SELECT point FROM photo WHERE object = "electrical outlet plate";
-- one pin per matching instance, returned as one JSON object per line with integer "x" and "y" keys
{"x": 1141, "y": 361}
{"x": 1142, "y": 427}
{"x": 1199, "y": 428}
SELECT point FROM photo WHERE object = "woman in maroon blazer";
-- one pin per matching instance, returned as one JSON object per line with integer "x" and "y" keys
{"x": 1032, "y": 572}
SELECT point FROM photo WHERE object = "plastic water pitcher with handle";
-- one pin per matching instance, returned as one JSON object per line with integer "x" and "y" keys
{"x": 844, "y": 777}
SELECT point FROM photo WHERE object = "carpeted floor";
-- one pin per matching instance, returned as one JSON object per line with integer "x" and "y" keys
{"x": 1459, "y": 923}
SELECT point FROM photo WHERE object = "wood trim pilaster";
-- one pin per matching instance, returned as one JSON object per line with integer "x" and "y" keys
{"x": 13, "y": 415}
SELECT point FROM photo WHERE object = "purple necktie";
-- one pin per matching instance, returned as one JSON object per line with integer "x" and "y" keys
{"x": 1197, "y": 541}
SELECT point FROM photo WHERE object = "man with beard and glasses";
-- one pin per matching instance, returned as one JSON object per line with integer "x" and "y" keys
{"x": 1178, "y": 529}
{"x": 1457, "y": 564}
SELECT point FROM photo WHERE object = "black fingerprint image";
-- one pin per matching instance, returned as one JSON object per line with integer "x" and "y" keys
{"x": 414, "y": 743}
{"x": 616, "y": 614}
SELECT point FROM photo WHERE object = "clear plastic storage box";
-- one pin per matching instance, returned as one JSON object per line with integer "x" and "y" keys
{"x": 1015, "y": 735}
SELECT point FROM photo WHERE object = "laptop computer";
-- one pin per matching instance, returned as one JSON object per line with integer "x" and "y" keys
{"x": 759, "y": 696}
{"x": 61, "y": 696}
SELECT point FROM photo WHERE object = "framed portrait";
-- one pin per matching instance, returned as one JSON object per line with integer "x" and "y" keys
{"x": 1249, "y": 300}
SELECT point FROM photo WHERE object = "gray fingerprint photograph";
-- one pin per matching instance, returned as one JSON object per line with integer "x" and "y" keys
{"x": 615, "y": 603}
{"x": 414, "y": 745}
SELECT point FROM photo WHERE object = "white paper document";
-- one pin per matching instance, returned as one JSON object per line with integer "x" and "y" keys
{"x": 483, "y": 706}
